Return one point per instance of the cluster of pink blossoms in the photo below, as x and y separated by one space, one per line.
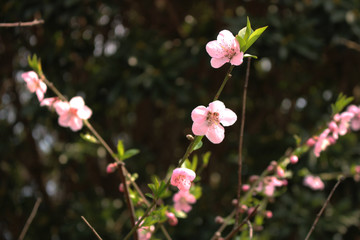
182 178
71 114
338 126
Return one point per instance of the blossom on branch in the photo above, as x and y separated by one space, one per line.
314 182
182 178
182 201
207 121
71 114
34 84
224 49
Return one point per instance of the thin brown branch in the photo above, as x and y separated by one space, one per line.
250 229
237 229
30 219
94 231
242 139
23 24
350 44
323 208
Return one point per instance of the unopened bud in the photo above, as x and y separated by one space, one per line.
111 167
190 137
294 159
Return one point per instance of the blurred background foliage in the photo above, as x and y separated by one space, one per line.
142 67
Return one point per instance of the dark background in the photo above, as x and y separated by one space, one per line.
142 67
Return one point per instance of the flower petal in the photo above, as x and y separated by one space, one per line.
64 120
226 39
84 112
75 123
214 49
200 129
227 117
199 114
77 102
218 62
216 106
216 133
62 107
237 59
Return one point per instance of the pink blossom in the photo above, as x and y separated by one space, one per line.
111 167
245 187
268 214
121 187
182 201
310 142
270 184
207 121
182 178
314 182
72 114
34 84
322 142
173 221
280 171
345 119
50 102
225 49
294 159
145 233
355 122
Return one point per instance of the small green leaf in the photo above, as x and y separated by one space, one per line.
186 164
194 163
341 102
241 40
249 55
130 153
149 195
89 138
198 145
152 187
253 37
297 140
248 30
206 158
241 34
120 148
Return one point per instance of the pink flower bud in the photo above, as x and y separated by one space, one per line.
245 187
280 172
310 142
121 187
357 169
219 219
111 167
173 221
294 159
268 214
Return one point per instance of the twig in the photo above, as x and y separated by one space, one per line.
227 77
235 230
350 44
323 207
87 223
241 139
250 229
23 24
30 219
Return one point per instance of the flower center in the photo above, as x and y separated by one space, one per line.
73 111
212 118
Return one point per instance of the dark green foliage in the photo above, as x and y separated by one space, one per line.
141 66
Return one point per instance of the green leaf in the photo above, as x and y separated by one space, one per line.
89 138
248 31
249 55
297 140
130 153
206 158
152 187
253 37
149 195
194 163
240 39
341 102
198 145
186 164
120 148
